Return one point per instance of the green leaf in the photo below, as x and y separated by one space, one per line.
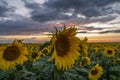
115 68
84 70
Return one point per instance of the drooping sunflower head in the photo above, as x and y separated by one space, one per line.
109 52
85 61
12 55
34 56
85 40
95 73
83 49
46 50
66 47
41 54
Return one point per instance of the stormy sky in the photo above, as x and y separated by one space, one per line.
33 20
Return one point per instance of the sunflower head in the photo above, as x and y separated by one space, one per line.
109 52
95 73
12 55
83 49
62 45
113 61
85 61
34 56
66 46
41 55
95 50
46 50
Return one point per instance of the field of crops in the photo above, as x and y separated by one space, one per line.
64 57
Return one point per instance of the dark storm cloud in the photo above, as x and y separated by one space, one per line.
85 29
85 7
20 26
14 24
89 8
82 32
78 3
52 10
110 31
88 30
104 19
43 13
93 28
56 9
114 23
31 5
5 9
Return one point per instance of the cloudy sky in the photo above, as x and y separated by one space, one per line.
33 20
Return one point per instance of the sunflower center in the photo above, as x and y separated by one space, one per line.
109 51
112 60
94 72
41 55
34 55
45 51
62 45
11 53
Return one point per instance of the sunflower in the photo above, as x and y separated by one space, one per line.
66 47
12 55
46 50
109 52
41 54
34 56
95 50
113 61
83 47
85 61
95 73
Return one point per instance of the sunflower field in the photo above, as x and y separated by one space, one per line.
64 57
